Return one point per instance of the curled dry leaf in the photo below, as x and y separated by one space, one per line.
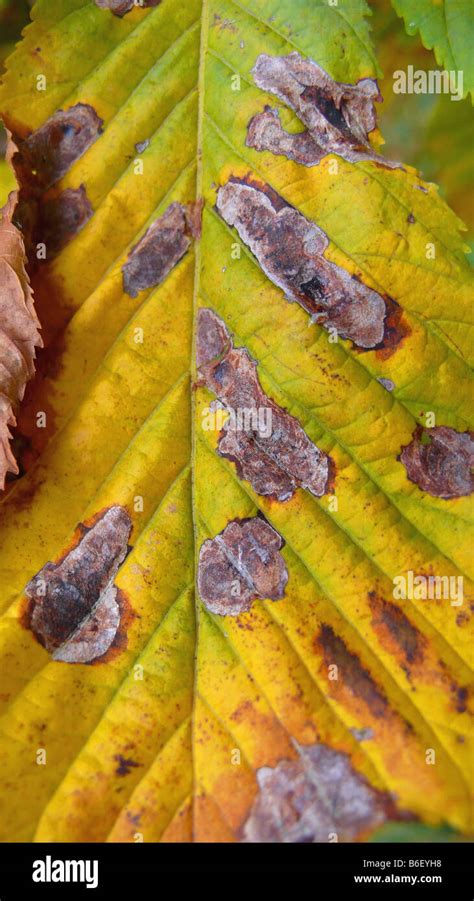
19 331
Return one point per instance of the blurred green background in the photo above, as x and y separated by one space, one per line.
429 131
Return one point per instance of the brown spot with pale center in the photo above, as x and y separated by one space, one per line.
269 447
290 250
440 461
265 132
314 796
338 117
241 564
73 608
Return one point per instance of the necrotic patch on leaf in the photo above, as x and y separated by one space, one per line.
440 461
290 250
338 117
161 247
265 132
357 679
312 797
124 765
50 151
74 611
122 7
397 627
241 564
62 217
272 451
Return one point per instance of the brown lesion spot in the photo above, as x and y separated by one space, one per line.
440 461
124 765
312 796
353 674
241 564
338 117
45 214
265 132
397 631
49 152
122 7
268 445
290 250
73 609
62 217
162 246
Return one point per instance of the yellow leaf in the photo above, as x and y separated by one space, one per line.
195 725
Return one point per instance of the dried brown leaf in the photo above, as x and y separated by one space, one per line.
19 331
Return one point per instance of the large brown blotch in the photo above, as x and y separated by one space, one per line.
241 564
440 461
338 116
74 611
48 153
45 214
273 453
290 249
314 797
161 247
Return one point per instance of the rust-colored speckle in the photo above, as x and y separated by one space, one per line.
290 250
440 461
269 447
241 564
355 677
73 608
